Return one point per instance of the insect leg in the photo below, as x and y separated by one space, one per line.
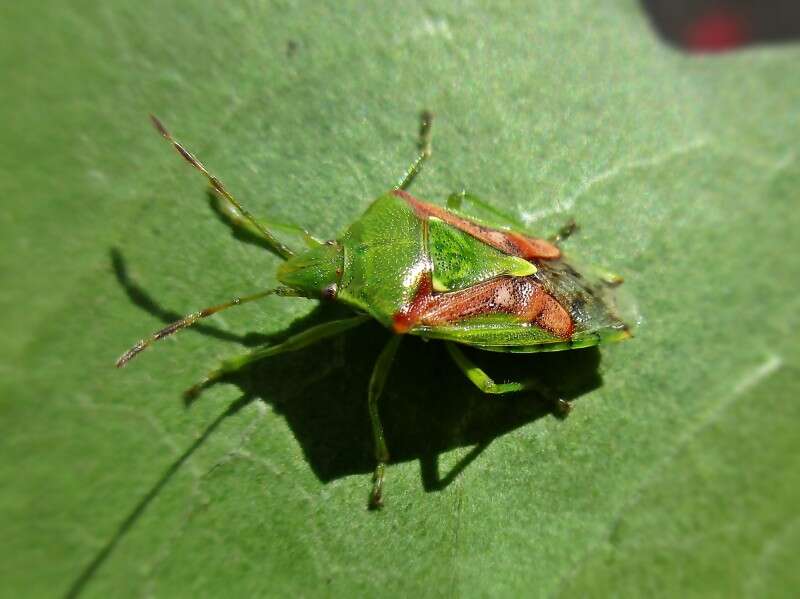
376 384
471 205
609 278
276 245
424 145
485 383
192 318
564 232
293 343
240 224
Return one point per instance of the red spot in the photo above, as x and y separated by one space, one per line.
721 28
411 313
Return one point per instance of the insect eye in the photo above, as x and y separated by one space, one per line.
330 291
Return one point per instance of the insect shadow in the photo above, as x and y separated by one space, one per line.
428 406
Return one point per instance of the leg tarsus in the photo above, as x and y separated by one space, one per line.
376 384
565 232
561 408
376 494
612 279
425 125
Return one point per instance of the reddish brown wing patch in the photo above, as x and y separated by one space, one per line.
508 242
555 318
518 296
522 297
413 311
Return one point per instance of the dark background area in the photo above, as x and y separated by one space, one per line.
715 26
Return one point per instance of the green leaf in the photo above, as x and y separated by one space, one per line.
679 474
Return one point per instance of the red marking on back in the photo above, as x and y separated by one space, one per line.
519 296
410 314
509 242
555 318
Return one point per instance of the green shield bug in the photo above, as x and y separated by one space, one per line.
453 274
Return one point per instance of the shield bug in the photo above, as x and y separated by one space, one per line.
464 275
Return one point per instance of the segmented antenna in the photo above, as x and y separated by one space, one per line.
189 320
277 245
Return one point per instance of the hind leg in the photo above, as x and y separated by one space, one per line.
486 384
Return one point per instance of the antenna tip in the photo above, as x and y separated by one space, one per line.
130 354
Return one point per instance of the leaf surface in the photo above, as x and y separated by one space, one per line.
679 474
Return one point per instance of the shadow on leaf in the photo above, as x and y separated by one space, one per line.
133 516
428 406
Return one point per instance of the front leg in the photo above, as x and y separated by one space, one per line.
424 146
293 343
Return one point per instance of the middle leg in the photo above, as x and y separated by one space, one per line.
376 384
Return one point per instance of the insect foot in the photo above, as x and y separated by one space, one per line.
561 408
376 496
565 232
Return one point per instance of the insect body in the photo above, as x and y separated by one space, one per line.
437 273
